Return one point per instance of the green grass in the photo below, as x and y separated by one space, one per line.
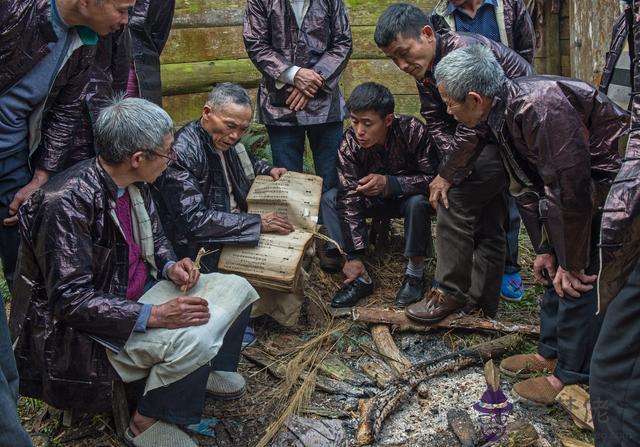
4 288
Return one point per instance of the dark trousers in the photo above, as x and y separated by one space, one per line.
287 148
14 174
511 232
470 235
569 326
182 401
11 432
414 209
614 383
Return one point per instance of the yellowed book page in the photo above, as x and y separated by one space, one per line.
295 196
276 257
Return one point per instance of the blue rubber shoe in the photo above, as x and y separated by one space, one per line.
512 287
249 337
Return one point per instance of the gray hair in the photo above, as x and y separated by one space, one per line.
129 125
469 69
228 93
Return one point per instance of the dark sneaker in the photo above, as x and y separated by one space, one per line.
433 308
350 294
412 291
330 260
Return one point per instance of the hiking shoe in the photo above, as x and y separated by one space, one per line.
524 366
512 288
411 291
433 308
225 385
249 337
536 391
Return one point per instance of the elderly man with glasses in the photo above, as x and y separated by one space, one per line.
91 245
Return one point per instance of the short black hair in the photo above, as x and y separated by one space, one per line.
371 96
400 18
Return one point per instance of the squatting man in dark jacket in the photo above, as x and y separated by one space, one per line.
558 141
91 242
385 164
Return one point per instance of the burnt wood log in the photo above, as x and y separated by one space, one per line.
399 321
374 411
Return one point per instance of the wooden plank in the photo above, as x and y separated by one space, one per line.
225 42
383 71
551 40
185 108
591 24
194 77
204 13
202 76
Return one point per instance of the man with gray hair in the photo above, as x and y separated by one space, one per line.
558 142
91 244
202 196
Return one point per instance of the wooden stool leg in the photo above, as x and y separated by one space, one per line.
382 228
120 408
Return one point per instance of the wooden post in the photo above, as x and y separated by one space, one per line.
591 26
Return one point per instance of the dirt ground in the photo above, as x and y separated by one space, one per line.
417 421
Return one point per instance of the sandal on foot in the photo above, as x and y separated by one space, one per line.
160 434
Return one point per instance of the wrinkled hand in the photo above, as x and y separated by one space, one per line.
308 81
353 270
540 264
438 189
180 312
272 223
572 283
184 273
40 177
372 185
297 100
276 173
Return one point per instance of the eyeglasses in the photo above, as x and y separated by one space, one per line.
171 157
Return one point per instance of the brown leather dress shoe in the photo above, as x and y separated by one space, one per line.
433 308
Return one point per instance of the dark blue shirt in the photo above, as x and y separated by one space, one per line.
19 101
484 22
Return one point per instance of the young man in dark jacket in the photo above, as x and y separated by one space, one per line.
301 47
507 22
470 233
385 164
558 139
91 242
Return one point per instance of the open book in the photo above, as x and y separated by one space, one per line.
275 262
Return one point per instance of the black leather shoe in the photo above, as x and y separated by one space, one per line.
411 291
350 294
